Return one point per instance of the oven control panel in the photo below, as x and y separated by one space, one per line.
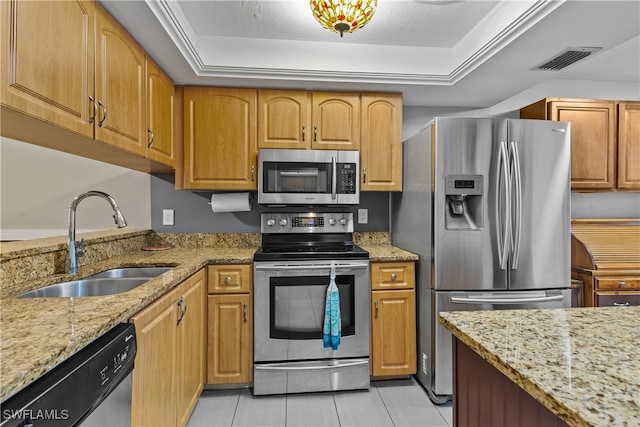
310 222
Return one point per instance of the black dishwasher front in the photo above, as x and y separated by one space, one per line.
68 393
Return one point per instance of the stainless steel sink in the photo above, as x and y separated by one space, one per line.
108 282
127 272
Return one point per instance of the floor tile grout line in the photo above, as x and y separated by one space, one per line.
385 406
236 409
335 405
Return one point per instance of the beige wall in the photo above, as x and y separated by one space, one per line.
38 184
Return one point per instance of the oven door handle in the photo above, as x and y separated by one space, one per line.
342 265
284 367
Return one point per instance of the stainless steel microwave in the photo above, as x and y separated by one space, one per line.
308 177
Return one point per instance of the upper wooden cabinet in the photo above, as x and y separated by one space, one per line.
335 121
604 140
160 114
381 144
220 144
284 118
48 61
629 145
120 86
80 88
308 120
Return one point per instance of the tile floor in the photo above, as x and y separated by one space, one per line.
387 403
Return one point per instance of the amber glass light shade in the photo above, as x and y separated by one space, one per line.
343 16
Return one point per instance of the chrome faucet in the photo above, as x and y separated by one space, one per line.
73 251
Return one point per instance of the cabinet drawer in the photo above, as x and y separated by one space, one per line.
620 283
229 279
617 298
393 275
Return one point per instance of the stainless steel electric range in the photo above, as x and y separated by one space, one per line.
291 276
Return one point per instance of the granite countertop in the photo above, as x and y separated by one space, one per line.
39 333
583 364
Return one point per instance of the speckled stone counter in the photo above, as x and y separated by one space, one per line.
39 333
581 363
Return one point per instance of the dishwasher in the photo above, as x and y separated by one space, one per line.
90 388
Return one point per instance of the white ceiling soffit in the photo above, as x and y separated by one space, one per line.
275 49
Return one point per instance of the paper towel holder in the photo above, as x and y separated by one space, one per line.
244 208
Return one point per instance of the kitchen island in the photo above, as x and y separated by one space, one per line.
582 365
39 333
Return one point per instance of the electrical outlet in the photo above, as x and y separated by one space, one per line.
167 216
363 216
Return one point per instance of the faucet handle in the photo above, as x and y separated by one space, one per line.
80 247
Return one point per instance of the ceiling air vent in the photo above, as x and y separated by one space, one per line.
566 58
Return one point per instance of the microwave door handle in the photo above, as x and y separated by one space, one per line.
295 173
334 178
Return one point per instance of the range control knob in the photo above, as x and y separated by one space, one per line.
271 222
332 221
283 222
343 221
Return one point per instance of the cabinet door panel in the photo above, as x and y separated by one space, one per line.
393 338
160 114
629 146
593 142
190 380
154 376
283 119
335 121
229 339
51 78
381 145
120 86
220 138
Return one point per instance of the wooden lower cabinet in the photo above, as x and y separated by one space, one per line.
230 325
169 367
484 396
393 319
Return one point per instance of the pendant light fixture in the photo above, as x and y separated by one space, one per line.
343 16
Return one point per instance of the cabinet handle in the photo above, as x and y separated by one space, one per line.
180 302
315 133
244 313
95 109
151 140
253 172
364 175
624 304
104 110
394 276
376 304
622 284
303 133
227 279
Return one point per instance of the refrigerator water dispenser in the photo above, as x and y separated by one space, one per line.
463 207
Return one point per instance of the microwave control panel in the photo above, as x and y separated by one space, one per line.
347 181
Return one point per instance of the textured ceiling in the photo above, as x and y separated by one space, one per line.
449 53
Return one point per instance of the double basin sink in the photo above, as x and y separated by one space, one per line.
108 282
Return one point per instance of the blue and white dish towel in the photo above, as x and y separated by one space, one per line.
332 322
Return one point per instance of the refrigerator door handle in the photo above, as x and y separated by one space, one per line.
517 212
503 207
463 300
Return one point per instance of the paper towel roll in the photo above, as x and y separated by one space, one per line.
230 202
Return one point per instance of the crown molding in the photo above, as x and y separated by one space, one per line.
505 24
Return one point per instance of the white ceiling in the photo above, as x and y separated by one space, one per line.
436 52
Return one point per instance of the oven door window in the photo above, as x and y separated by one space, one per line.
297 306
292 177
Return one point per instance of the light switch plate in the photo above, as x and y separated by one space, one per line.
363 216
167 217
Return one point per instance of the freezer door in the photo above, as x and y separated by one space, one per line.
469 301
539 155
469 229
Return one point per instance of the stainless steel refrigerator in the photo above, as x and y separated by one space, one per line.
486 206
